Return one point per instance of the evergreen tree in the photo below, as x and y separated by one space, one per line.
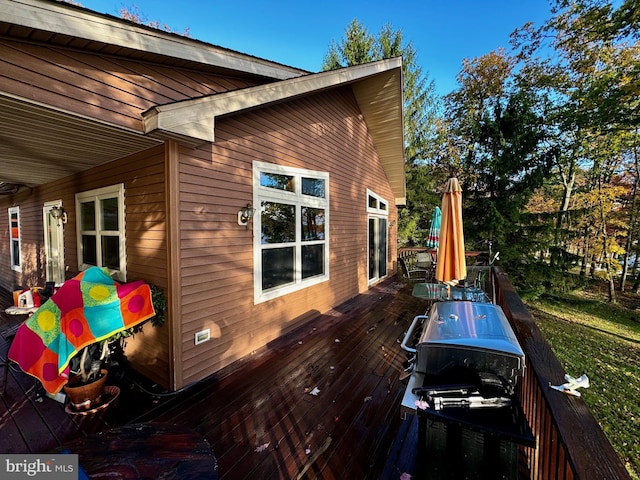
420 113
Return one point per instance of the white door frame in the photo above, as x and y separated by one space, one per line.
377 242
53 244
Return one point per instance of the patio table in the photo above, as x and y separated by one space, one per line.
430 291
438 291
20 310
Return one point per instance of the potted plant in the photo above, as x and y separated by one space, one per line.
88 368
86 386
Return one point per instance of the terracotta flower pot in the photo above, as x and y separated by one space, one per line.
85 397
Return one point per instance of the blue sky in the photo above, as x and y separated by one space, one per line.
298 32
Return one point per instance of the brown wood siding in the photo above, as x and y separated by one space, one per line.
31 236
324 132
112 89
143 178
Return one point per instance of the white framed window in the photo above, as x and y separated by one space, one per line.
100 229
376 204
291 229
15 239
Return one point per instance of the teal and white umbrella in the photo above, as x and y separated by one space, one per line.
433 239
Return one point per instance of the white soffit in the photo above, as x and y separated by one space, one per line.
63 19
377 87
39 144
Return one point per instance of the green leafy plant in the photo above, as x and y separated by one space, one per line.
88 363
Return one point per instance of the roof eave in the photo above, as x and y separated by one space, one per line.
78 22
377 87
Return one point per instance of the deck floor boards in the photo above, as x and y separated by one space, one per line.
259 415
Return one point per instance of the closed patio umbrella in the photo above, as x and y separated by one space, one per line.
451 265
433 238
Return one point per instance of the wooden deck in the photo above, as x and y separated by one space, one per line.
261 415
263 421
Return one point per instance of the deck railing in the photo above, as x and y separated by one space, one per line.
569 441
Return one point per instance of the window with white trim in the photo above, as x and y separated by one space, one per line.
101 230
376 204
291 229
14 236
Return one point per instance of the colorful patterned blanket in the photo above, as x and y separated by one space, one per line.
86 309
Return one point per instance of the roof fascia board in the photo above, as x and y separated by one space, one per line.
83 23
196 117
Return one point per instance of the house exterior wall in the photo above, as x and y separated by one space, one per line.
97 85
324 132
146 250
209 275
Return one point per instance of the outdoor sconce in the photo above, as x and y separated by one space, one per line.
58 213
245 214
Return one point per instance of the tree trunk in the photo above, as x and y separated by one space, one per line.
612 290
585 254
592 266
568 180
633 216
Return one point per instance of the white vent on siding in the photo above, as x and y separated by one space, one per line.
203 336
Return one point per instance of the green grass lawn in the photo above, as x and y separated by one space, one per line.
602 340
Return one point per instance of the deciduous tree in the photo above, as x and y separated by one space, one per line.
496 116
588 57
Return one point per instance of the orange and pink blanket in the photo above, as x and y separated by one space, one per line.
86 309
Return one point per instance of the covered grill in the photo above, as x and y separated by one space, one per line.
467 363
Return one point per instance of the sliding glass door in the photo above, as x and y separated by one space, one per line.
377 248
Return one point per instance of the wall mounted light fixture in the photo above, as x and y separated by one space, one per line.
58 213
245 214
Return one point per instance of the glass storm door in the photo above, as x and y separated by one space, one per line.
377 248
54 244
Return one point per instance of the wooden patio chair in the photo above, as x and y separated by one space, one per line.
424 260
7 335
412 275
